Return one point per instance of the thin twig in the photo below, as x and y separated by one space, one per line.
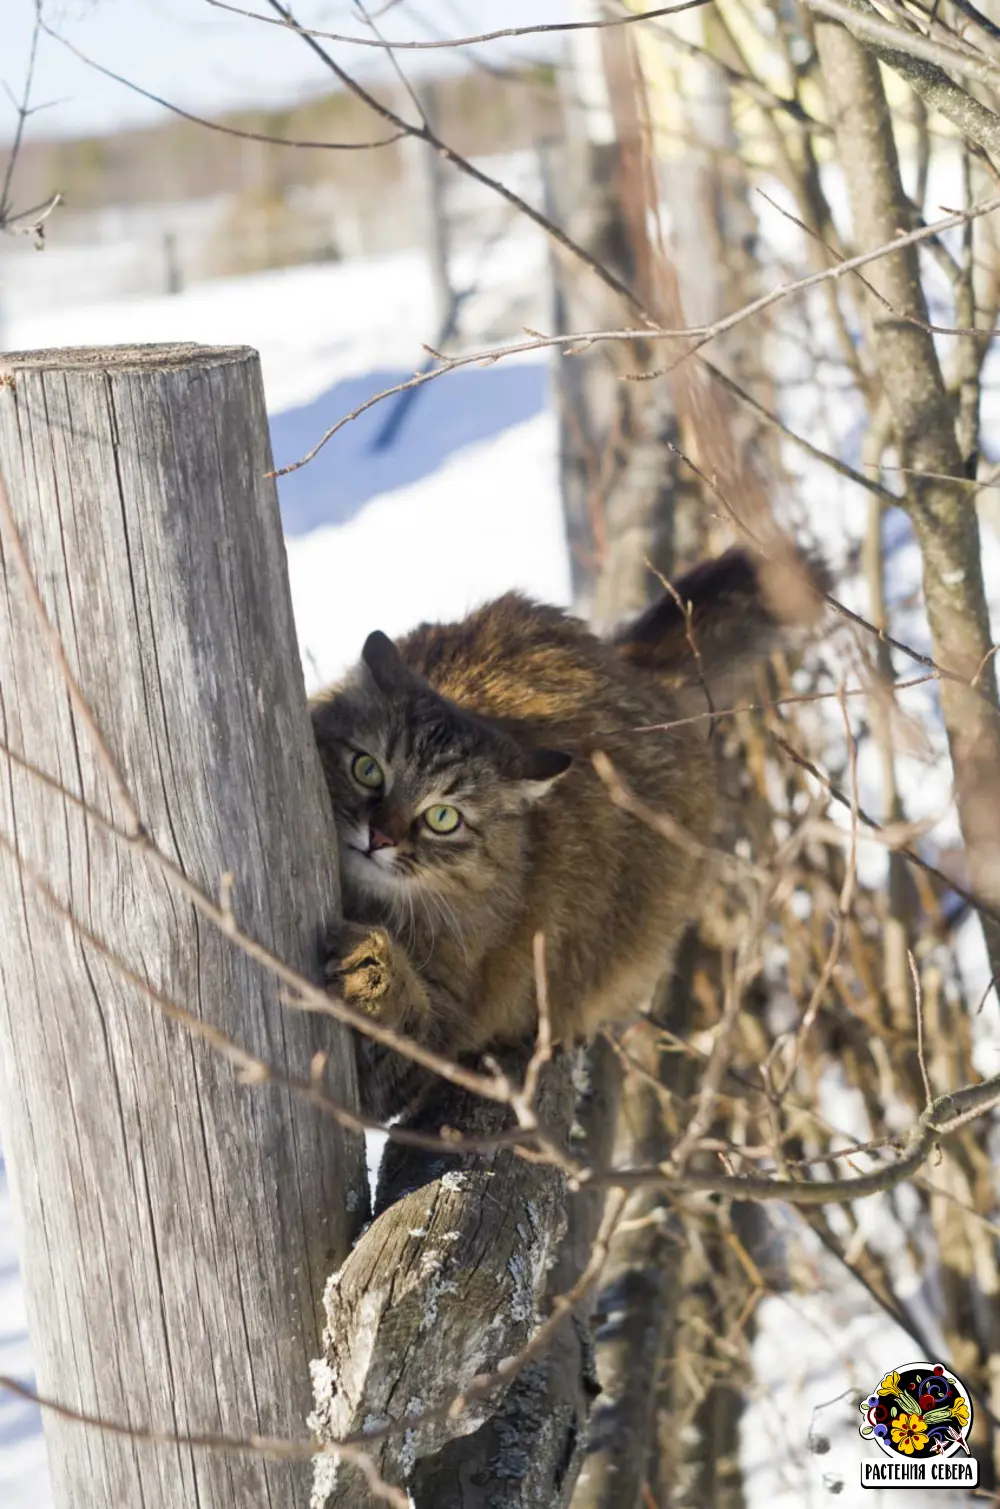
814 280
580 341
918 1002
390 52
274 1448
843 912
543 1042
486 36
464 165
23 111
976 902
250 1068
946 1115
224 130
664 823
974 331
849 473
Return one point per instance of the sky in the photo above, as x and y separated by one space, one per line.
204 58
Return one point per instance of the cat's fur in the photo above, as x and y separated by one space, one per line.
497 716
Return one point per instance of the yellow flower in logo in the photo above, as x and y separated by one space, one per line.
909 1433
889 1384
960 1411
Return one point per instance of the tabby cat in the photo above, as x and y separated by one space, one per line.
469 813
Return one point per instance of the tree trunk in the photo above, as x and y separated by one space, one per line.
942 510
176 1226
618 473
453 1276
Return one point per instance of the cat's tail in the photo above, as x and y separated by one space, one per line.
716 623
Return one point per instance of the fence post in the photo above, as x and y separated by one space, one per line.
176 1225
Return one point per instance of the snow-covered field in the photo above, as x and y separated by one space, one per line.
464 505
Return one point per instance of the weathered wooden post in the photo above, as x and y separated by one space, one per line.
176 1226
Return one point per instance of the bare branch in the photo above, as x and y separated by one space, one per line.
23 111
918 998
487 36
866 23
917 59
543 1044
699 335
946 1115
776 422
972 900
259 1446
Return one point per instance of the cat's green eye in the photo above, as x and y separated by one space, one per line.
442 819
367 772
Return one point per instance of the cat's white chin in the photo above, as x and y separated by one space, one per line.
371 872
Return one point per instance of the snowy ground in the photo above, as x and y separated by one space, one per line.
462 506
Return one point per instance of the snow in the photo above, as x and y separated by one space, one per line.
815 1355
476 527
23 1467
462 506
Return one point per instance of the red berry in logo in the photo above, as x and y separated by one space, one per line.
926 1401
939 1371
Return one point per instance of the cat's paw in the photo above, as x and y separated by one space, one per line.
359 965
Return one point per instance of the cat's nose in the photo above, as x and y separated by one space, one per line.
377 840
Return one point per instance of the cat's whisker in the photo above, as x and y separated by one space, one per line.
429 918
413 919
449 915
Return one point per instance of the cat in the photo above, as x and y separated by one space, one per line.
470 816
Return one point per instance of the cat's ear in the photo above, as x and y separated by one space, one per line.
385 663
538 771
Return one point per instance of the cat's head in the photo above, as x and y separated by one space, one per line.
427 796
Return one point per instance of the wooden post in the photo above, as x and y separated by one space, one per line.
176 1226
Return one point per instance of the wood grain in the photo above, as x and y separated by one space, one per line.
461 1262
176 1226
